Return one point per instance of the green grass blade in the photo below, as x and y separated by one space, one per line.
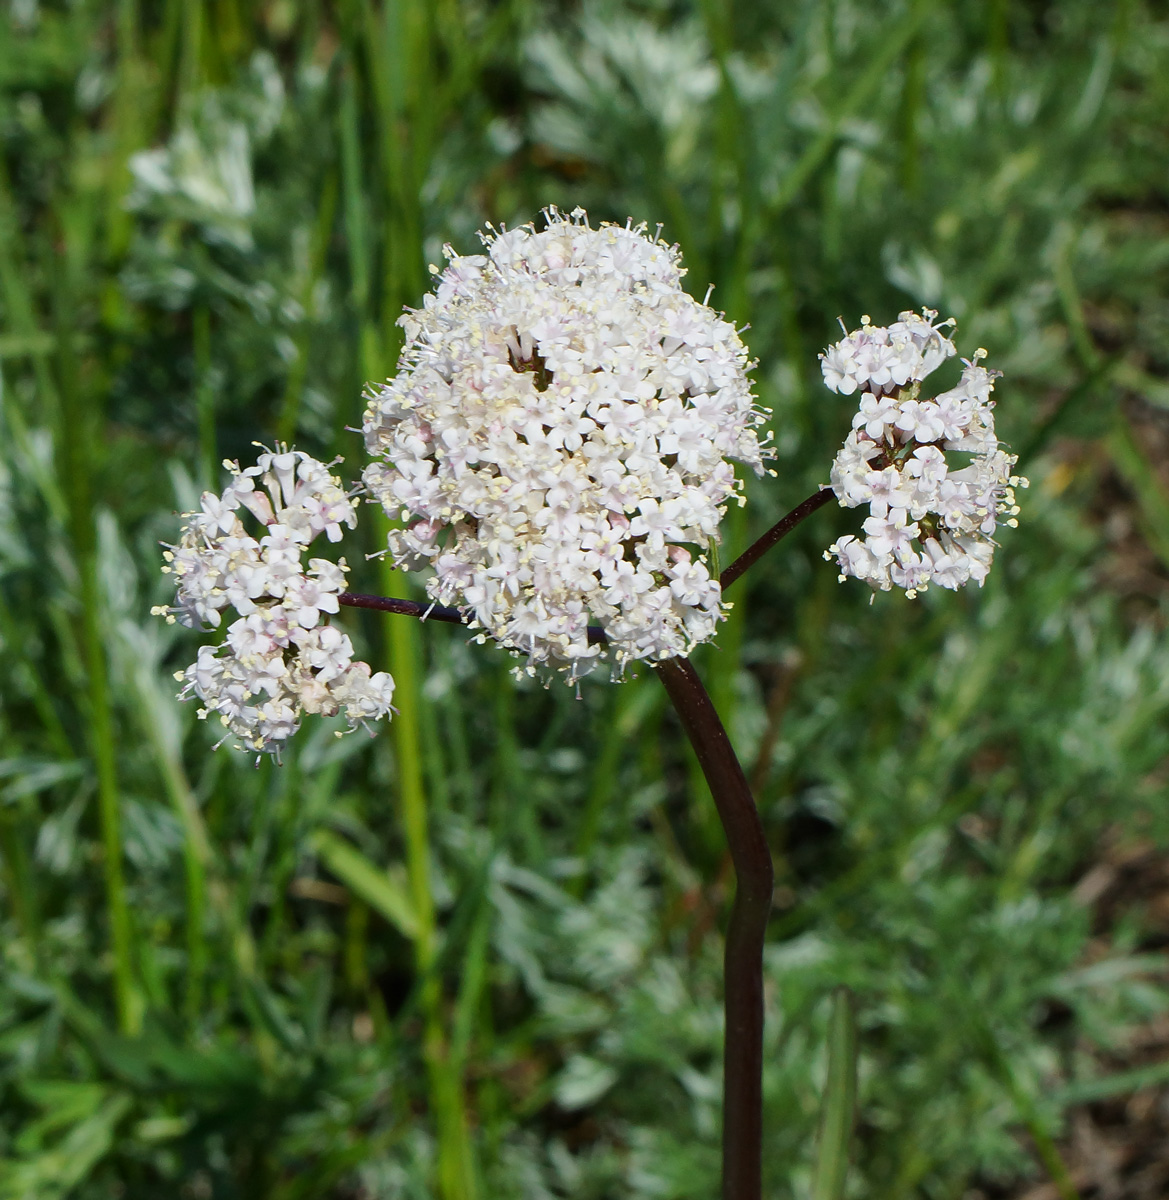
838 1115
379 889
854 99
1109 1087
1152 498
77 439
205 395
294 387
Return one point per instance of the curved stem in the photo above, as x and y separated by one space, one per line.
743 959
777 532
754 875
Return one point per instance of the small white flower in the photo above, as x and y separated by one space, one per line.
890 534
911 571
363 695
950 567
931 471
919 421
840 367
857 558
876 415
887 490
278 660
561 422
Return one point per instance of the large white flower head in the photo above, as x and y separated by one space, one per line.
281 658
932 472
556 444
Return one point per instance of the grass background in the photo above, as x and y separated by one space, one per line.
478 956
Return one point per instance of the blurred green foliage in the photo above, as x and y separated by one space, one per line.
479 955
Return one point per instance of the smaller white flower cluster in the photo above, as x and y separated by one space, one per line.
930 521
279 659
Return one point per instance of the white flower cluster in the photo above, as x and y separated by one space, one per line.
279 659
556 443
930 521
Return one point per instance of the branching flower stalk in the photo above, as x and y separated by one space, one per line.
555 451
754 875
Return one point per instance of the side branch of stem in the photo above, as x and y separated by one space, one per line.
776 533
406 608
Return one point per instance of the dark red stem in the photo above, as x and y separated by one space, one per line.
778 531
746 930
407 608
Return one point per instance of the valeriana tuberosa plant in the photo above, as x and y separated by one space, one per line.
556 454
